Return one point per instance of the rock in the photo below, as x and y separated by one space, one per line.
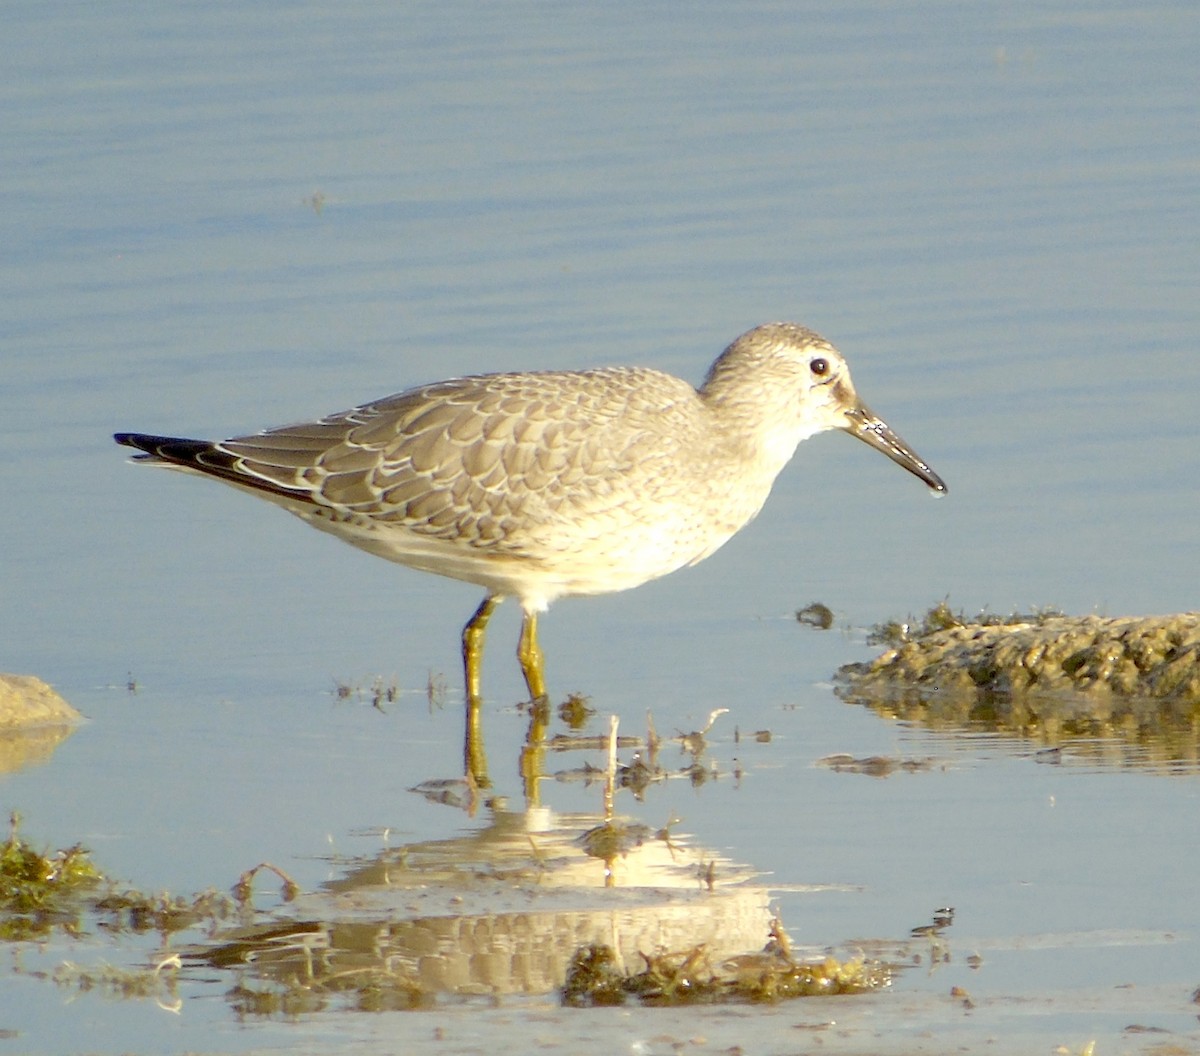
27 701
1155 657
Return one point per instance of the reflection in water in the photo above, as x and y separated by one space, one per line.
640 772
24 748
499 910
1162 737
517 905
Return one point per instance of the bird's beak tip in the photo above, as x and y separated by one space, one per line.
863 423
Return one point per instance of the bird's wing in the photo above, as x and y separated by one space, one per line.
476 460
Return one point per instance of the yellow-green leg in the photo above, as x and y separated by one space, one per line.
472 644
474 756
529 654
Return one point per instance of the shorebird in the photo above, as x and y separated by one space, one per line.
545 484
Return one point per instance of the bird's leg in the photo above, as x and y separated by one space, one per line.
474 756
472 645
529 654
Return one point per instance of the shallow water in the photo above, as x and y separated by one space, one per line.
224 217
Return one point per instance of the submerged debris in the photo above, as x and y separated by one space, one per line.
243 890
138 912
576 710
49 893
874 765
595 978
613 838
157 981
816 615
41 890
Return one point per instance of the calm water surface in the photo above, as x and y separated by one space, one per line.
220 217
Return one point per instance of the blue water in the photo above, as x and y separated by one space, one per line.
220 217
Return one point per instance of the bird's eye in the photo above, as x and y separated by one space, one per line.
820 367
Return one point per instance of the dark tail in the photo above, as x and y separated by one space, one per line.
203 456
168 448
